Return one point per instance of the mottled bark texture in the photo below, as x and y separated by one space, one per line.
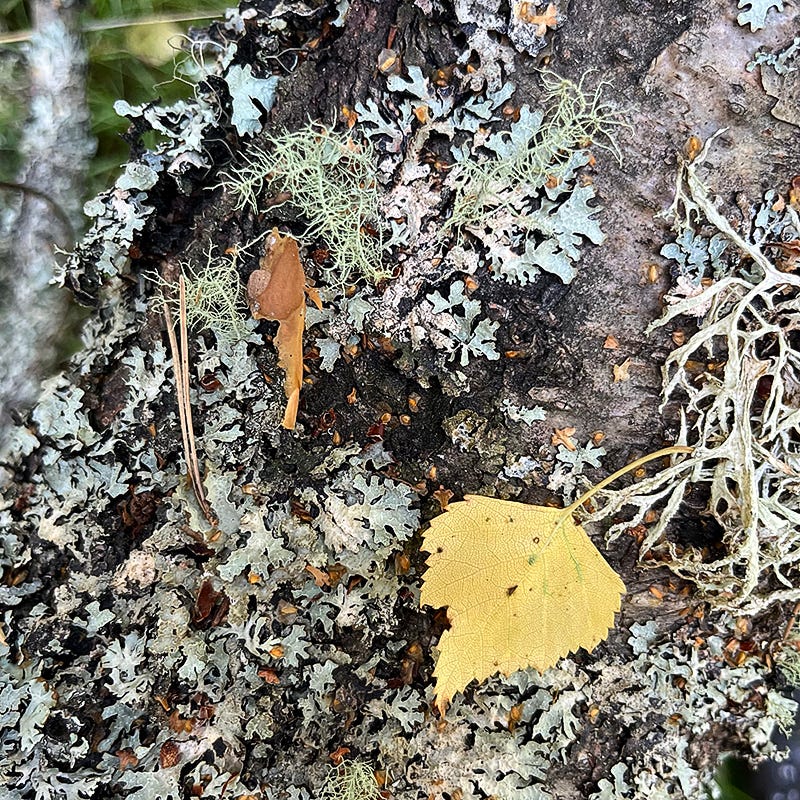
56 148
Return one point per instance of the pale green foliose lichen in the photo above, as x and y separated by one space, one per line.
169 656
754 12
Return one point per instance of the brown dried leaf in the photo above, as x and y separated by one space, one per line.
210 608
542 21
276 291
170 754
443 496
127 758
563 436
321 578
622 371
611 342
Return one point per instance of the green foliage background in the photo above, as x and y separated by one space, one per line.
129 62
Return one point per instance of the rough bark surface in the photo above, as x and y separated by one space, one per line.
173 657
56 147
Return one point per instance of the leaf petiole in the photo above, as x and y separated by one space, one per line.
589 493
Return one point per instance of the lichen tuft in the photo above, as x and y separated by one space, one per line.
330 179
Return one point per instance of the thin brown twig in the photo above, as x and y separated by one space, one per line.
180 368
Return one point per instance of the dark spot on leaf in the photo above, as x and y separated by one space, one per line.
511 590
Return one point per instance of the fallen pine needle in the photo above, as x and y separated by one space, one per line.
180 368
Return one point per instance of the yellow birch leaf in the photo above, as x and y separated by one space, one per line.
523 585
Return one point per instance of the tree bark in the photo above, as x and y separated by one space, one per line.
155 654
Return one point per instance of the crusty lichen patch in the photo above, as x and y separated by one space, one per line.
147 654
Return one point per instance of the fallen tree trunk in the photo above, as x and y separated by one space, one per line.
485 297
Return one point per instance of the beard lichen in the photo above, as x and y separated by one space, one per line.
330 179
516 193
214 297
350 780
535 154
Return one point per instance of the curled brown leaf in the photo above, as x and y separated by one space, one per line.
276 291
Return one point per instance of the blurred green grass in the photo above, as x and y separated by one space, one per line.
135 62
732 775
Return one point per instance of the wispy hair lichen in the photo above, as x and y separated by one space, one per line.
214 297
350 780
330 179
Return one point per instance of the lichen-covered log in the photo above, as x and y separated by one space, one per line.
483 237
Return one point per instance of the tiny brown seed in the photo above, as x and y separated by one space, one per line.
170 754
